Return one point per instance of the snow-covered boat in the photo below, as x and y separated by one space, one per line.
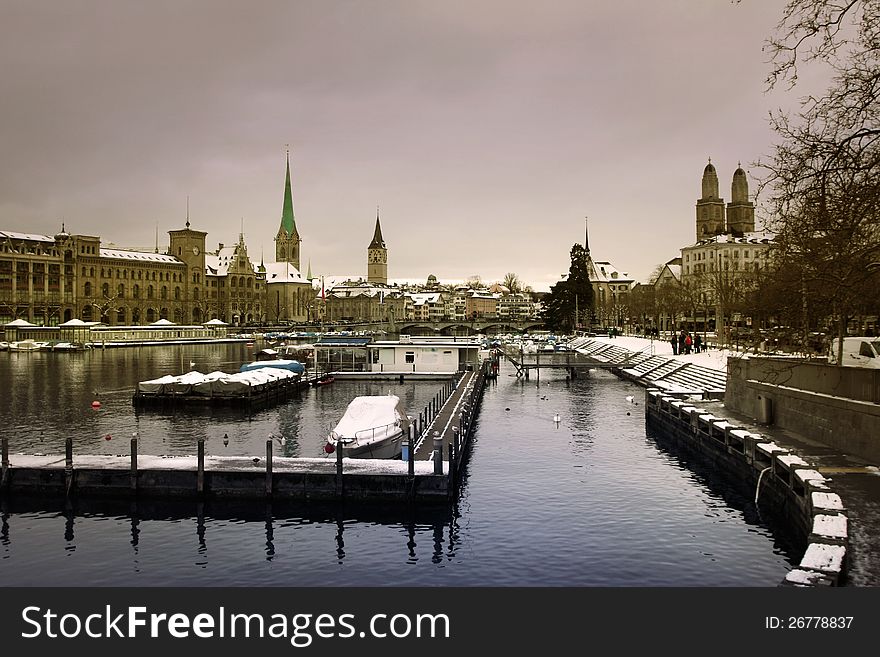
25 345
373 427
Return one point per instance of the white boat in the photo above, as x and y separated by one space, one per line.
373 427
25 345
4 345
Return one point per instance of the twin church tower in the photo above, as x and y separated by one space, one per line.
711 216
287 241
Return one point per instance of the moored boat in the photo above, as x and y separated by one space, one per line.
373 427
25 345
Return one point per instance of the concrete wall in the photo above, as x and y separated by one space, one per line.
838 406
781 479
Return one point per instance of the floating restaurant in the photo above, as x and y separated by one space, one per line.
352 356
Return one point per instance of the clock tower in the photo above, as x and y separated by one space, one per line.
188 246
287 240
377 257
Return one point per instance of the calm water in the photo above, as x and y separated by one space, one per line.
590 501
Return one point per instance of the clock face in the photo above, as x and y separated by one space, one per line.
195 250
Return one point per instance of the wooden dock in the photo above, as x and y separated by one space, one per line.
430 473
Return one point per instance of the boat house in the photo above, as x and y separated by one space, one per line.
409 355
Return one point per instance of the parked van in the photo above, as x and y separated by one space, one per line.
857 352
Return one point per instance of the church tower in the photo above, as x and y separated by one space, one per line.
377 257
287 240
740 211
710 208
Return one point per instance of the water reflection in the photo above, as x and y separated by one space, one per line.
644 516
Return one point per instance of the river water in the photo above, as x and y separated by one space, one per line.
591 500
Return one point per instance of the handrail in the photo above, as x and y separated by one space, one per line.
358 435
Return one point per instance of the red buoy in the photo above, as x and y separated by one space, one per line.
96 404
108 437
329 448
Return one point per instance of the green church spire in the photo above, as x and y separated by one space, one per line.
288 222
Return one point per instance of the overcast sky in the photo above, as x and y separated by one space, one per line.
485 130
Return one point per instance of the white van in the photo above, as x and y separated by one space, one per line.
857 352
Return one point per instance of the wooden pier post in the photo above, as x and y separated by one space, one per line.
200 473
340 490
68 464
438 453
453 454
411 456
269 468
4 460
134 465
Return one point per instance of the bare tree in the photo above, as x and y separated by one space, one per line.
824 172
511 282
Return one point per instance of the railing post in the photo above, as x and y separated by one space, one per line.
200 467
134 464
438 453
269 468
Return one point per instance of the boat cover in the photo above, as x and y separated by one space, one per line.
370 418
292 365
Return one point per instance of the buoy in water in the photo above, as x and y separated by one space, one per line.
96 404
225 439
556 418
108 437
329 449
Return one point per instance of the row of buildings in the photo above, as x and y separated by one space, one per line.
709 279
49 280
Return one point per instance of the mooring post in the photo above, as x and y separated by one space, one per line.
438 453
68 463
339 488
411 457
200 474
453 454
269 468
134 464
4 463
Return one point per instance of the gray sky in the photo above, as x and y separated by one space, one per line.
485 130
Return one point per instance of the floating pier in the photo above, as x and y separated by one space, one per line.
435 452
262 386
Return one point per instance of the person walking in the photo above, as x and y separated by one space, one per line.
698 343
687 342
674 342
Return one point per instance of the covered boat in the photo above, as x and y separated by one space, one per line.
291 365
373 427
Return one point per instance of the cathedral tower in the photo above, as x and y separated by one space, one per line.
710 208
287 240
740 211
377 257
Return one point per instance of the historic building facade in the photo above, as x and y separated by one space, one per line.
720 270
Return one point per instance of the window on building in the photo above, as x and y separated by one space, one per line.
410 357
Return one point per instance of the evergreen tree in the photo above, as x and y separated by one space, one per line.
570 301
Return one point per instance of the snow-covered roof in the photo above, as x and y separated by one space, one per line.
20 322
214 266
604 272
162 322
283 272
421 298
27 237
140 256
756 237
